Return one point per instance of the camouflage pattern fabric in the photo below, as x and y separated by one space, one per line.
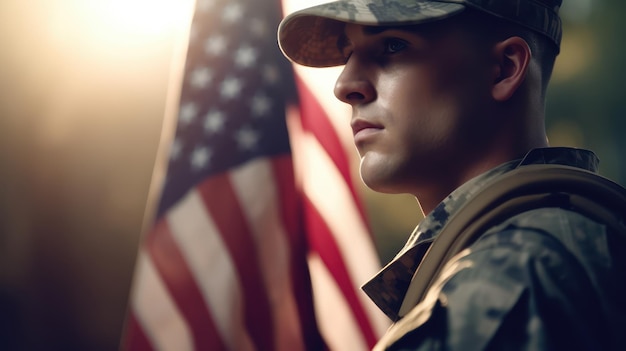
400 270
309 37
543 280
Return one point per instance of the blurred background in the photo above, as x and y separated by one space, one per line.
83 89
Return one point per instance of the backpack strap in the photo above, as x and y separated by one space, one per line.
523 189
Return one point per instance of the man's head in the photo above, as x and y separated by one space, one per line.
440 90
309 37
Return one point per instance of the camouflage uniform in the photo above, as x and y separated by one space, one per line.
547 279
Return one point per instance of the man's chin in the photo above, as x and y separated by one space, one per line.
380 184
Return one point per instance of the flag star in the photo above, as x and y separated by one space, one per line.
215 45
258 27
201 77
261 105
188 112
232 12
200 158
247 138
245 56
270 74
176 149
230 88
214 121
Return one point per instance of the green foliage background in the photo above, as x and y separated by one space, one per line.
585 106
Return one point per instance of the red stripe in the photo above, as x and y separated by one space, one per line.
182 286
291 214
315 121
221 202
323 242
135 339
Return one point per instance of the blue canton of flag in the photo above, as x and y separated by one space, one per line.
232 105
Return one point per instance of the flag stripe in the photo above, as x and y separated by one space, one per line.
209 266
316 121
346 226
171 265
137 340
221 201
262 213
324 244
333 218
156 311
291 213
344 213
350 248
336 315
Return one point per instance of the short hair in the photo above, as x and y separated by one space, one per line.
495 29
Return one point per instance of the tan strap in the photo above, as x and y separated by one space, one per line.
525 188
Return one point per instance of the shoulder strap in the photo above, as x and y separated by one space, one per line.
525 188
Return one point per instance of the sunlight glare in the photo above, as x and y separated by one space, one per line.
122 22
142 16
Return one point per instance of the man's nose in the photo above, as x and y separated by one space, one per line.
354 86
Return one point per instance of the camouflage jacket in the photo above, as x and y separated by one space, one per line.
547 279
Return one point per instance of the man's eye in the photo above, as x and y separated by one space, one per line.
394 45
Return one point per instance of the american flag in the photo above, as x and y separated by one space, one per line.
245 252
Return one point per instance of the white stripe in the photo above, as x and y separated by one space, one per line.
212 267
158 316
306 151
321 83
304 146
336 321
255 186
332 198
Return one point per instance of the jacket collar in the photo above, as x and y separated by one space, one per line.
388 287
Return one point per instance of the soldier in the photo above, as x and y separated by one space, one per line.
447 104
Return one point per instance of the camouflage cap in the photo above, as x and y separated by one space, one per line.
310 36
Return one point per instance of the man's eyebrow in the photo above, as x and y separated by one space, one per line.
373 30
343 41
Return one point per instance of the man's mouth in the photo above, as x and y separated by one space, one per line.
362 129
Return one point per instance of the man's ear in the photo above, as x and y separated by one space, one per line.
513 56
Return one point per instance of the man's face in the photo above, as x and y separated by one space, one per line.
417 98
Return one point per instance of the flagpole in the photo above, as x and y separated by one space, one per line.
168 130
170 114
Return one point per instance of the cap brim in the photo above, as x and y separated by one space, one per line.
309 37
